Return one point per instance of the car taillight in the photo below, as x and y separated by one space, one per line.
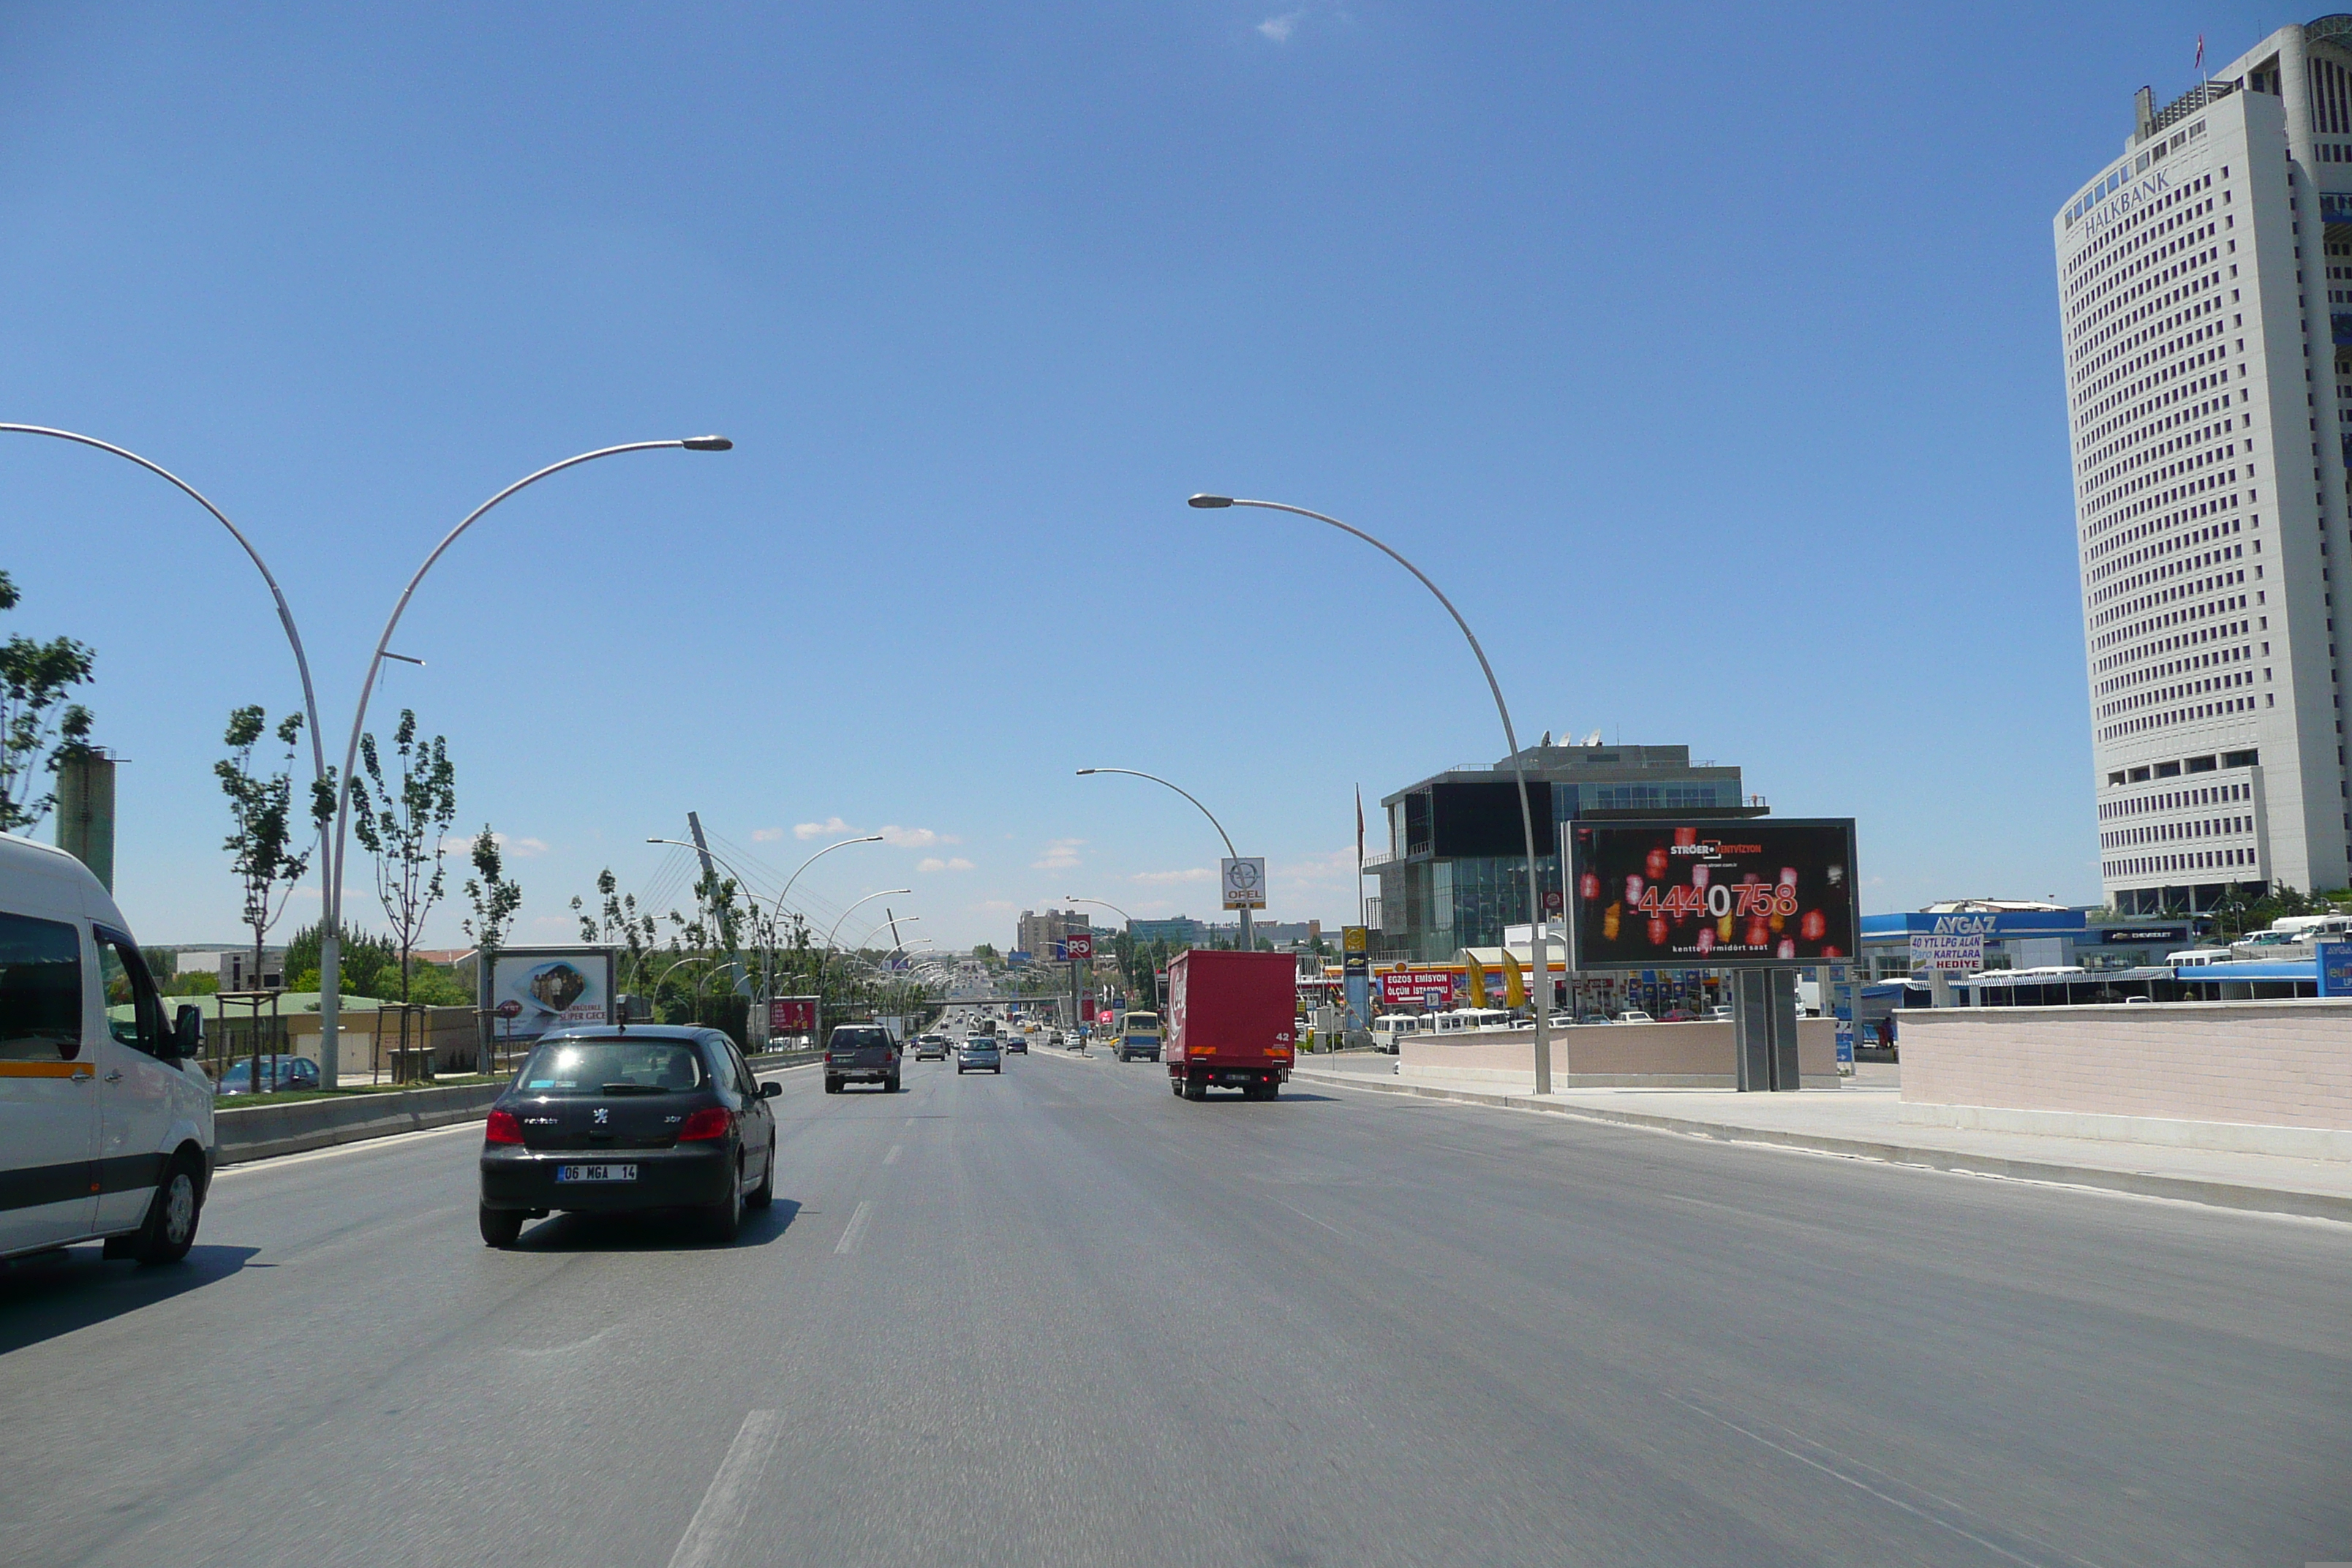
711 1121
504 1127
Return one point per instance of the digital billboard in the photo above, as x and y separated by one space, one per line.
1712 894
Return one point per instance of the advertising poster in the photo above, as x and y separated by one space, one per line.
1710 894
2335 967
1414 988
792 1016
535 989
1243 881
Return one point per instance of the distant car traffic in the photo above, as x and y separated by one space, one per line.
861 1053
1015 1043
605 1121
278 1073
977 1053
931 1048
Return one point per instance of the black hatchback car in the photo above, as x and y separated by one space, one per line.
604 1119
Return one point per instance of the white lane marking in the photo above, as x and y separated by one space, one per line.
892 1157
848 1242
1325 1224
717 1522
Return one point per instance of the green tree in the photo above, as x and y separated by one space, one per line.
261 813
495 901
406 829
38 727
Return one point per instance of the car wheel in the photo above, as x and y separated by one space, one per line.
171 1224
727 1214
500 1226
890 1084
765 1193
833 1085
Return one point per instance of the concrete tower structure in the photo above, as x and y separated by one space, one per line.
2205 290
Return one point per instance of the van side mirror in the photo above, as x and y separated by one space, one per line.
188 1032
770 1090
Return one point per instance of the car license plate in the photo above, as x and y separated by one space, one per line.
596 1173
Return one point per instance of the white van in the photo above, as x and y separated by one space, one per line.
1390 1030
106 1120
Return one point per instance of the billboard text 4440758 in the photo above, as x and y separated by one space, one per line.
1710 894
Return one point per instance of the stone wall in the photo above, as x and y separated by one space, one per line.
1697 1056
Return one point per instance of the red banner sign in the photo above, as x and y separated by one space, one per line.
792 1016
1080 945
1418 988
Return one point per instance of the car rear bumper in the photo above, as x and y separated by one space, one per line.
689 1175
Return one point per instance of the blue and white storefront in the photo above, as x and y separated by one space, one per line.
1893 946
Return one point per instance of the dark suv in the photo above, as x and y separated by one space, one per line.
861 1053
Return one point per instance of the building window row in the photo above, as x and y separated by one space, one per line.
2159 647
2164 543
2165 371
2162 596
2172 832
2239 856
2158 573
2188 715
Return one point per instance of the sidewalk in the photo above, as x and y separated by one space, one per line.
1862 1121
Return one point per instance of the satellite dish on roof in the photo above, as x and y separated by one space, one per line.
1593 739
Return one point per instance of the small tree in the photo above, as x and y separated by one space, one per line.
406 829
261 809
495 901
37 726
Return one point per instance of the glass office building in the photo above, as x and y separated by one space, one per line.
1455 872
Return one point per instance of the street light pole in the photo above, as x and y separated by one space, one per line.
1542 963
328 877
703 849
824 958
1247 943
330 937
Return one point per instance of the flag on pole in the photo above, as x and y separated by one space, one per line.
1359 828
2201 53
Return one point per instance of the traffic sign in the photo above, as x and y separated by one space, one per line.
1080 945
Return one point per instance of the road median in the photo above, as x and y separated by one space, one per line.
247 1132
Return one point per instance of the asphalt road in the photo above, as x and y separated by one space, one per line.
1064 1318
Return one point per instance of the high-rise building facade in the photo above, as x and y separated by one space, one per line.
2205 290
1035 934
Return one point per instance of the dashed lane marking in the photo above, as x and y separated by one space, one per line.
856 1228
720 1519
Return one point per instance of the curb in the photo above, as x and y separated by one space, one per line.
2140 1183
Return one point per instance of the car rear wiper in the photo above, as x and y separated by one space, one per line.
632 1088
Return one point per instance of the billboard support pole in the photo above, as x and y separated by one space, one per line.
1542 964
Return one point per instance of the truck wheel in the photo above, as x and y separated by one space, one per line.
833 1085
1196 1089
500 1226
171 1226
1176 1087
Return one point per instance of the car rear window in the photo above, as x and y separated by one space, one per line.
858 1039
588 1067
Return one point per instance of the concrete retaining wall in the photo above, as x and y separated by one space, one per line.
2198 1074
1597 1055
246 1132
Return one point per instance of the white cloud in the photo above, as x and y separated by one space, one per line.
933 863
915 838
831 825
521 849
1279 28
766 834
1060 856
556 923
1189 874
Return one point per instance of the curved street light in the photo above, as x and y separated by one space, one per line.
328 873
1073 897
1527 815
825 956
868 838
330 934
1247 945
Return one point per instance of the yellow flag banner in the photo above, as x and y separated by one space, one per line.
1515 982
1477 977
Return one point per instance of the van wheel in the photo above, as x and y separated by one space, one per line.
171 1226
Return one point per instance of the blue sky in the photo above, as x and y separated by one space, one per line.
1706 354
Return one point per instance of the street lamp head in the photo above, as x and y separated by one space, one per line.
1084 772
1210 503
708 444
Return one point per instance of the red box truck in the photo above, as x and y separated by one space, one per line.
1230 1018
